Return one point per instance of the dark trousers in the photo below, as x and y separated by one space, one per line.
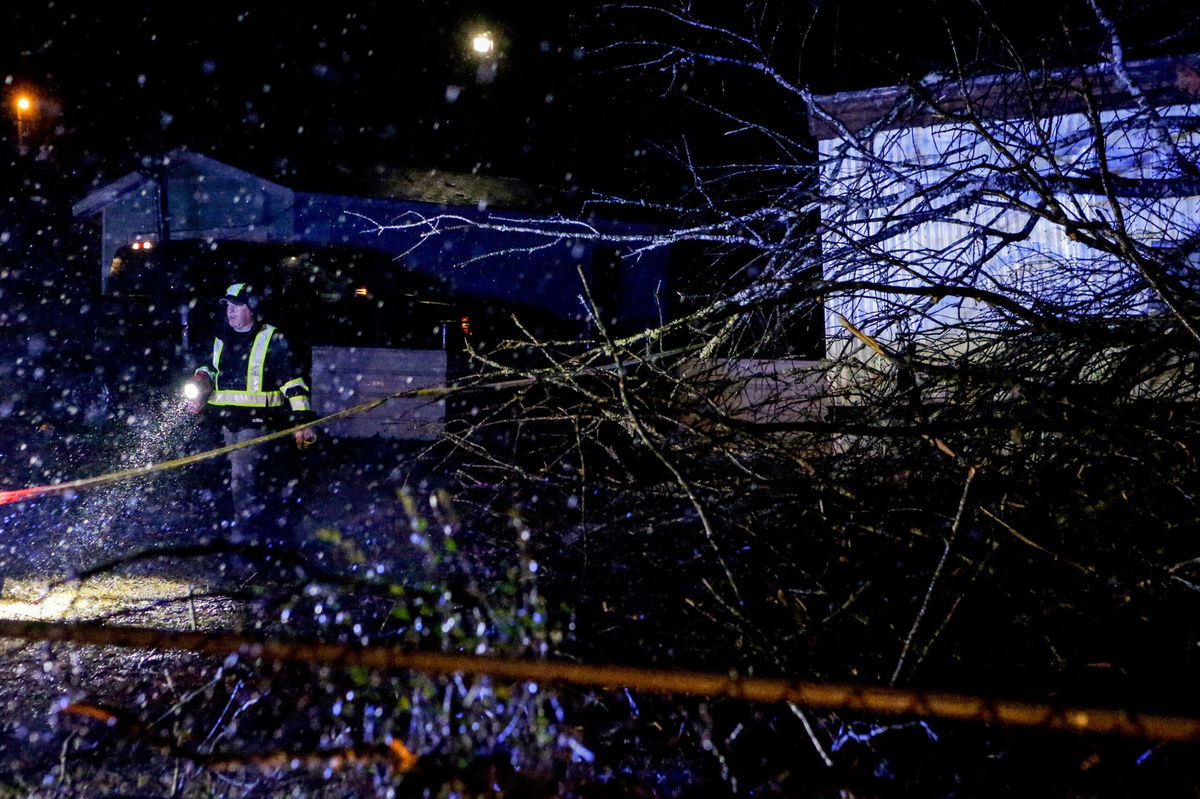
264 482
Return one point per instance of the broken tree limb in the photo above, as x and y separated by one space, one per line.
866 699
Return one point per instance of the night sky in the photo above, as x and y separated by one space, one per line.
326 97
315 98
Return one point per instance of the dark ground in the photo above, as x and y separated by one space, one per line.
108 534
171 710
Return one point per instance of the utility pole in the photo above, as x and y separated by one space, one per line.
164 219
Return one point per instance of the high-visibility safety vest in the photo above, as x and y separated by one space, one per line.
255 394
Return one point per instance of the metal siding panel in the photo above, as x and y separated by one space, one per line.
343 377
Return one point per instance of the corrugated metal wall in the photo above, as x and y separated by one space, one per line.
899 194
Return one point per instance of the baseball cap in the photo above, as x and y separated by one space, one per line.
239 294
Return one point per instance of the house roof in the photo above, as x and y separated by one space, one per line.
937 98
459 188
179 163
420 185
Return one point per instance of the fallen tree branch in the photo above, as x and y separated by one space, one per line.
867 699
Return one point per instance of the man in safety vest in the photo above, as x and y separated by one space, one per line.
256 386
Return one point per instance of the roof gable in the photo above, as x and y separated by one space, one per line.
179 164
1039 93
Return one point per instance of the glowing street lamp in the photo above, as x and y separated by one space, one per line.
24 104
483 44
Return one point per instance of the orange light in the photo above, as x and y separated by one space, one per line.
361 291
465 324
25 107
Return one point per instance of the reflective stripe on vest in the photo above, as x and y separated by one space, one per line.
218 348
258 359
253 396
249 399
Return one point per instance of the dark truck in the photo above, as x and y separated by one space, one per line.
367 326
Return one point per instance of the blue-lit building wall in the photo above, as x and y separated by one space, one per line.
524 260
468 248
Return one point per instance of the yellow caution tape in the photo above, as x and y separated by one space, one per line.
20 494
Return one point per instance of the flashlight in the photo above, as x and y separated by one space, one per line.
191 391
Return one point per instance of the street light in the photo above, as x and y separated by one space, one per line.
24 104
483 43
